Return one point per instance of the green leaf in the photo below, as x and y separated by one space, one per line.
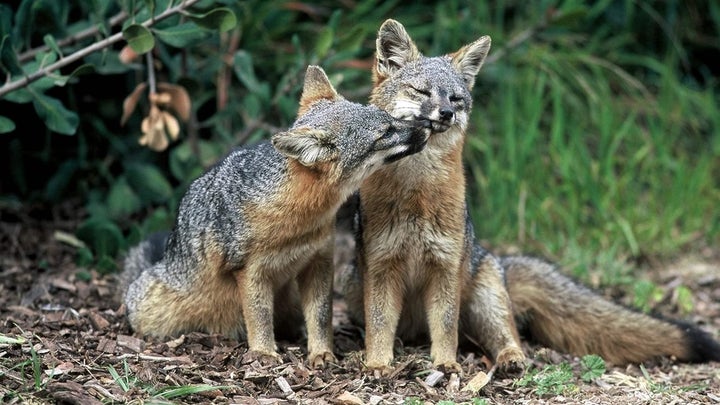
150 4
244 70
221 19
161 219
684 299
184 165
81 70
58 183
84 257
122 201
593 367
243 66
182 35
149 183
139 38
102 235
6 125
49 41
56 117
8 58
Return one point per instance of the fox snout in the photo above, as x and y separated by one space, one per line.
411 134
443 117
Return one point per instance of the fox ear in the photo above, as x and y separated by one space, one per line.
469 59
306 145
317 87
394 48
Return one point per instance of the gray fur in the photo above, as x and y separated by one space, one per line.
336 139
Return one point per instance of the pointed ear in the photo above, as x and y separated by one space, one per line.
469 59
394 49
306 145
317 87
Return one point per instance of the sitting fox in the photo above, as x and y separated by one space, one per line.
419 273
252 246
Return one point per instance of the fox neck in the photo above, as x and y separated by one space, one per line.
313 193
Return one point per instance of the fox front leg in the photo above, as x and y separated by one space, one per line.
383 304
442 305
316 286
257 307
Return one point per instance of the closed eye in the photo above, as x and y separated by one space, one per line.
455 98
422 92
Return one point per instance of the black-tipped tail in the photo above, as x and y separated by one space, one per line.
701 347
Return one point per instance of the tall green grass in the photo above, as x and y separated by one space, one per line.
575 158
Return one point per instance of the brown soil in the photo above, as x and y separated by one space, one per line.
63 339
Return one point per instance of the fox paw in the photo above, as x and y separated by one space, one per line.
448 367
511 361
263 357
320 360
379 370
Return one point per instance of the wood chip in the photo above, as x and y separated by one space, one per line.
63 284
434 378
62 368
453 385
349 399
107 345
98 321
480 380
285 387
131 343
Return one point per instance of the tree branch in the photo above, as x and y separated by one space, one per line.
20 83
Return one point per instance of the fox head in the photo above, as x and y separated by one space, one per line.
345 140
411 86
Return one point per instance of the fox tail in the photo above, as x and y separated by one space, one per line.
139 258
560 314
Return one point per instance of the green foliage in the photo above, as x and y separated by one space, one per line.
553 379
594 137
558 379
646 294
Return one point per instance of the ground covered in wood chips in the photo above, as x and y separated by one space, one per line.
64 339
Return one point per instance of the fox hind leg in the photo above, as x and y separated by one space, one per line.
487 317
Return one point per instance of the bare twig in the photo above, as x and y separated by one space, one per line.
17 84
86 33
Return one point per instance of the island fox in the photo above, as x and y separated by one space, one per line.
252 243
419 272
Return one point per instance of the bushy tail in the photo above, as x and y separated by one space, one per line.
139 258
567 317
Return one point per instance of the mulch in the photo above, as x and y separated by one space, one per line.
64 338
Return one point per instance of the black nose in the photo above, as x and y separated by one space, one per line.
446 114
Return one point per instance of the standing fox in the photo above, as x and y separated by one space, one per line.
419 271
252 244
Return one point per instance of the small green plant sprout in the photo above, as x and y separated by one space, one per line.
127 381
552 379
647 295
683 298
593 366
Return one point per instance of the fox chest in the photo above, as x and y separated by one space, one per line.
415 244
